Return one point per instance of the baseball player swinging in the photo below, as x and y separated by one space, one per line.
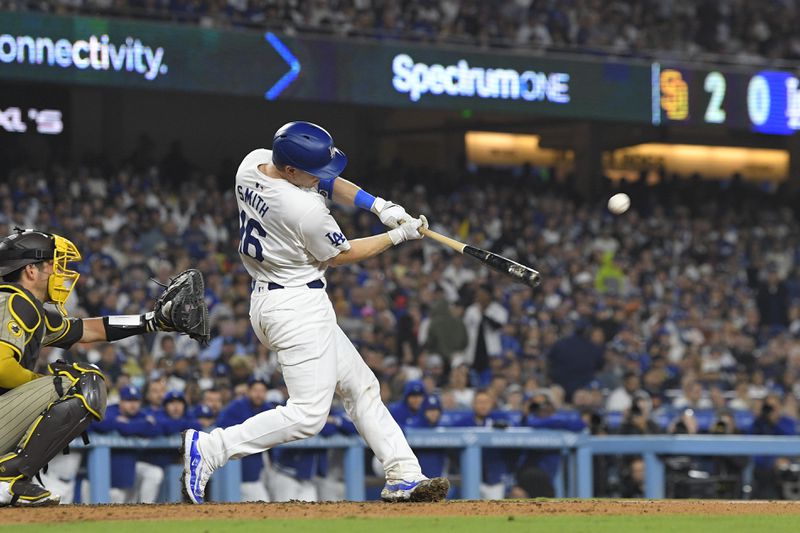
41 414
287 240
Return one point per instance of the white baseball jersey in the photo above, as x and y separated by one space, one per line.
286 233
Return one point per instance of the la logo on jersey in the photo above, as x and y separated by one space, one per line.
335 237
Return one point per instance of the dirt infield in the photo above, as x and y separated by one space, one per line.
80 513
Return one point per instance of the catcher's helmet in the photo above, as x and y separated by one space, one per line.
307 147
25 247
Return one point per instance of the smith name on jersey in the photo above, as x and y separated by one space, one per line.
287 233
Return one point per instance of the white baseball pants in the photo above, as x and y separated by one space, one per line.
148 482
254 491
493 492
146 486
317 359
330 489
284 488
61 473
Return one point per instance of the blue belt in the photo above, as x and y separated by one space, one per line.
316 284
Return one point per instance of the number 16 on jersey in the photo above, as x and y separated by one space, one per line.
248 241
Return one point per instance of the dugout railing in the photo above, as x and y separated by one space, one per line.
573 479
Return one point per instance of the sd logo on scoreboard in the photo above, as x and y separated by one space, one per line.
674 95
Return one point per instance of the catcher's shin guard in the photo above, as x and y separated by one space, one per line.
62 421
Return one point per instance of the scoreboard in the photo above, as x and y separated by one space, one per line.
762 101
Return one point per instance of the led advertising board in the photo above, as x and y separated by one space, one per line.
122 53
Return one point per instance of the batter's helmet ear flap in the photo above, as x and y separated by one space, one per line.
307 147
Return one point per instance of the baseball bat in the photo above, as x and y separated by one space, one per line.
519 272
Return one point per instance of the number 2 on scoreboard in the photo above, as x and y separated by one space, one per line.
716 85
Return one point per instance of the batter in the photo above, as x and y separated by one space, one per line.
288 239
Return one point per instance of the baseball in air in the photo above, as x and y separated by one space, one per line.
619 203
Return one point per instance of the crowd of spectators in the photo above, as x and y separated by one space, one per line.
742 30
680 316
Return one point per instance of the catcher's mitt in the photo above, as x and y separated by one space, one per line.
182 307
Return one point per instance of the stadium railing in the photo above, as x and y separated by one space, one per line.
573 480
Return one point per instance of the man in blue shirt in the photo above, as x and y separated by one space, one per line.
432 460
330 483
132 480
204 416
536 469
409 407
296 472
172 418
253 486
496 463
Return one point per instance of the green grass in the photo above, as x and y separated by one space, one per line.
528 524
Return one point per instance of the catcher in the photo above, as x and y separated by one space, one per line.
41 414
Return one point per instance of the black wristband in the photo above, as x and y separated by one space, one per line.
123 326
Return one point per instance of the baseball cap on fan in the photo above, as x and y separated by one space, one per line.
173 396
130 393
432 402
413 387
307 147
203 411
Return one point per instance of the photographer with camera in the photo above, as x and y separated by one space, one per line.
632 479
637 419
536 469
771 471
727 469
717 477
630 468
682 469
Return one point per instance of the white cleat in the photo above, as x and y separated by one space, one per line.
421 490
195 470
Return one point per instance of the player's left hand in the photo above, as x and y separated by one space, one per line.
423 224
409 230
390 213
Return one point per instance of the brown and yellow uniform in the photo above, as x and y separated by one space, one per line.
25 327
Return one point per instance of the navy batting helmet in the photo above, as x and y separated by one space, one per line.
307 147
